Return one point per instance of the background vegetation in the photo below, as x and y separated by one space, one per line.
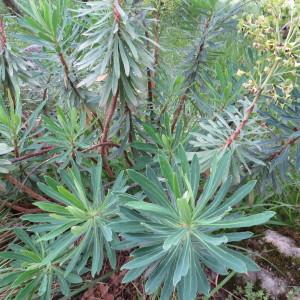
138 140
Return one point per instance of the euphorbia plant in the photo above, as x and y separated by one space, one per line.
50 25
12 68
115 54
270 84
29 275
179 230
179 225
80 220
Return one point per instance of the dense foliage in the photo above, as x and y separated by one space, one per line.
141 127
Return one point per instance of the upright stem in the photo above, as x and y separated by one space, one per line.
64 63
111 110
178 111
156 36
113 105
150 82
3 39
190 80
46 88
131 129
16 148
67 73
12 6
250 109
150 94
248 112
108 117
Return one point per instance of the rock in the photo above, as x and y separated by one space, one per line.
285 245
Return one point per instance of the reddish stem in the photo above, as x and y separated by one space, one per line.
16 149
22 209
178 111
12 6
131 128
3 39
116 10
46 89
64 63
150 93
156 38
107 168
25 189
108 118
67 73
49 148
106 144
245 120
250 109
150 84
34 154
190 80
129 162
277 153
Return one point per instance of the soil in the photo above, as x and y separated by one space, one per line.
112 288
285 268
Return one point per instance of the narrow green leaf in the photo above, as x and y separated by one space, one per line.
43 286
173 239
145 260
153 191
52 207
152 208
96 253
248 221
238 196
183 262
24 277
